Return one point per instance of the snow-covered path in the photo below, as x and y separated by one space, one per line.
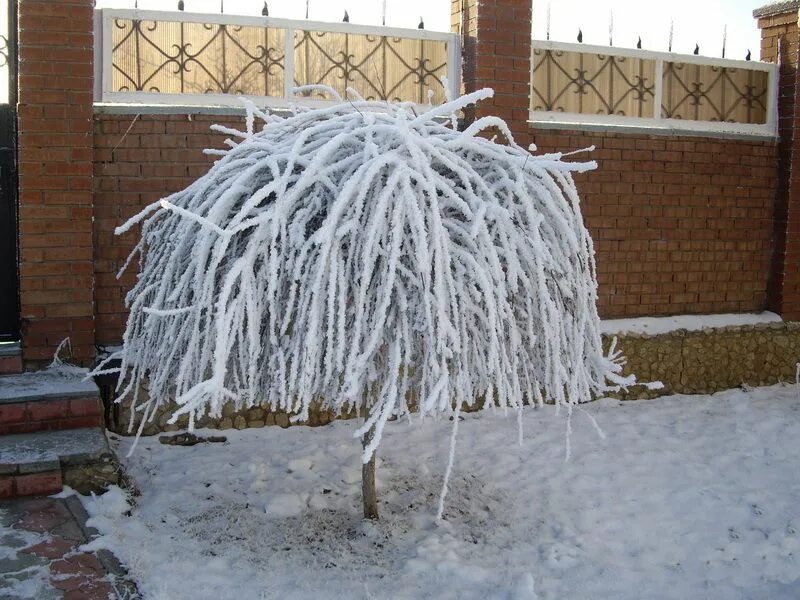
686 497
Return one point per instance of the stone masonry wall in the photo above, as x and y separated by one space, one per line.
703 362
686 362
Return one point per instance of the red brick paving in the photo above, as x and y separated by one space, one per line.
76 574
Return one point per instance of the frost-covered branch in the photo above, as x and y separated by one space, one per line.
361 252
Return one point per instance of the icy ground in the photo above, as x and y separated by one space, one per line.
686 497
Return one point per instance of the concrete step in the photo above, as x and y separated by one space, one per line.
43 462
48 401
10 358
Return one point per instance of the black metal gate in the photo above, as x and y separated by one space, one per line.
9 274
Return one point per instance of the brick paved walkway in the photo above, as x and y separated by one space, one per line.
40 557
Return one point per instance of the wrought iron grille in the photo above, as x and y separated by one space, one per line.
4 51
712 93
197 58
571 80
379 67
187 57
584 83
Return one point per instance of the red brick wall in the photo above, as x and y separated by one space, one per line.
779 43
139 160
55 177
681 225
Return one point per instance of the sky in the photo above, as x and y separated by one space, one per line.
695 21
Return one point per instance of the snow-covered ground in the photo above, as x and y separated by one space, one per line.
685 497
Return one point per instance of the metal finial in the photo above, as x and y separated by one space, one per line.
307 2
671 32
748 56
547 26
421 24
639 43
383 14
221 6
696 49
580 36
265 10
346 18
180 4
610 27
724 39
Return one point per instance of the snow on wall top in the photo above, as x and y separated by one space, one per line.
660 325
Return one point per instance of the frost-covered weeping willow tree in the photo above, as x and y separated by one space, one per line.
365 257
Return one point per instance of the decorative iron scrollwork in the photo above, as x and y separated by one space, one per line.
177 57
577 82
200 58
712 93
378 67
4 52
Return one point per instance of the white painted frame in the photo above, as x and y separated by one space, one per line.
657 123
103 22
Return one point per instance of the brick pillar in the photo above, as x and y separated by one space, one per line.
779 43
55 178
496 47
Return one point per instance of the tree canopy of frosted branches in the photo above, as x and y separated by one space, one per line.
363 256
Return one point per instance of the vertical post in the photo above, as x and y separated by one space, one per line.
496 50
778 23
288 64
772 100
453 66
107 57
658 94
55 117
98 55
369 489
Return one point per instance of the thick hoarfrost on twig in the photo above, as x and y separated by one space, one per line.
363 256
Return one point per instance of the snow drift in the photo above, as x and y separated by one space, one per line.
366 257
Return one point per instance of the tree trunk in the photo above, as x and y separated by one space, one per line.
369 492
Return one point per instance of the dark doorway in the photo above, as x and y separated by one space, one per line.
9 274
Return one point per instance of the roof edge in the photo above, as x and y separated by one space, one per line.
776 8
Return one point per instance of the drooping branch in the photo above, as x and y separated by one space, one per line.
361 249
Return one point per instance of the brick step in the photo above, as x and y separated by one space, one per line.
43 462
10 358
46 401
